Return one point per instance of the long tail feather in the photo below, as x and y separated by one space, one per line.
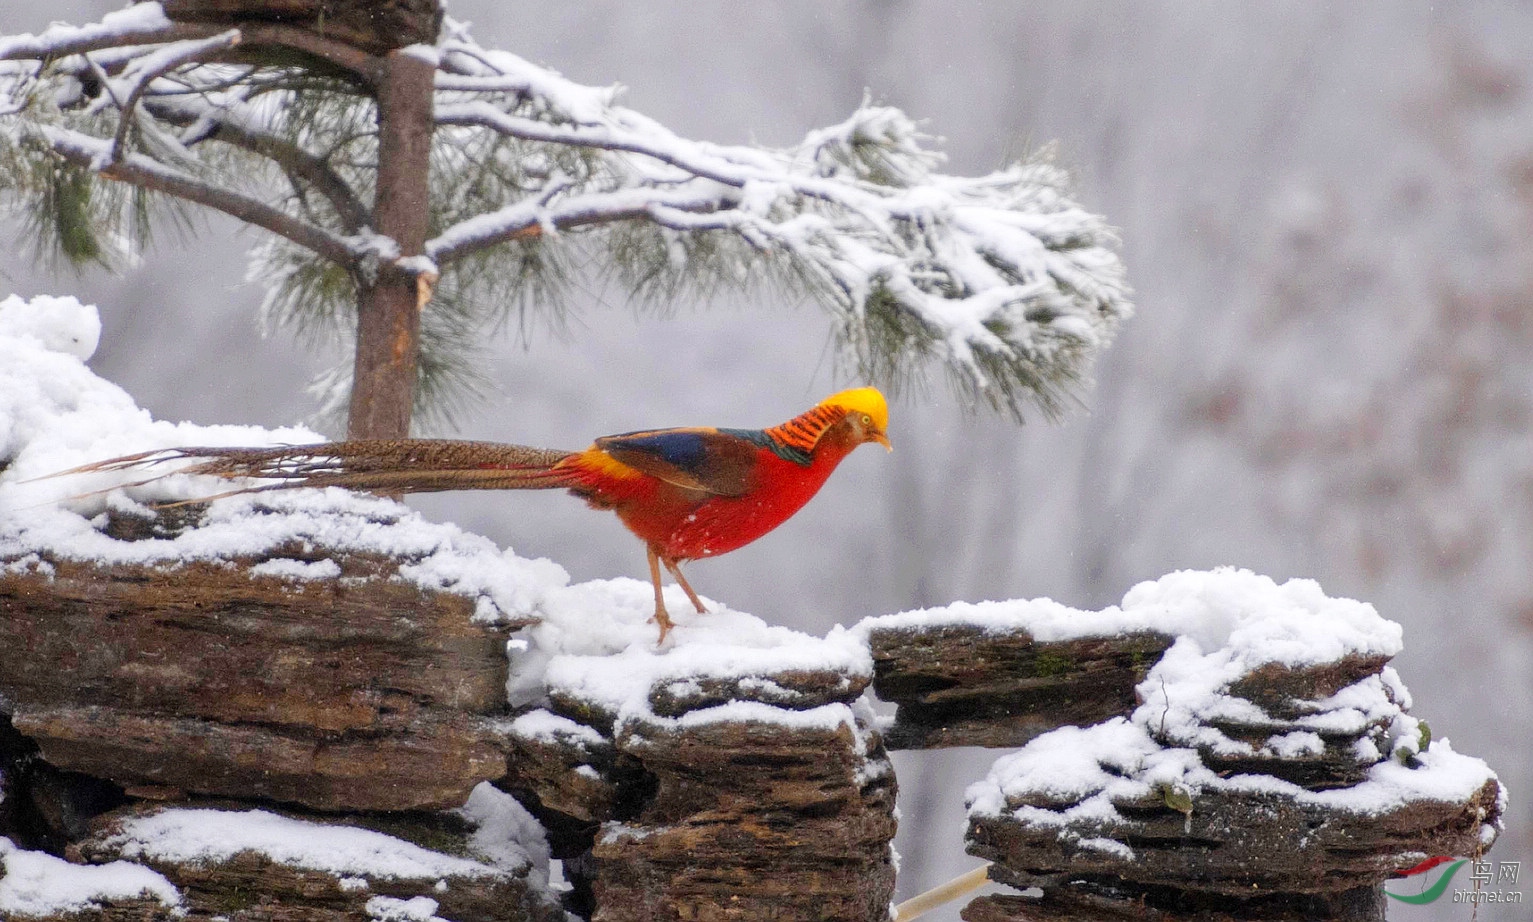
380 465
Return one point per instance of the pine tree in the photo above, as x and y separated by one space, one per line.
417 188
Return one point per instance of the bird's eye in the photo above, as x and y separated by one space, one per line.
867 420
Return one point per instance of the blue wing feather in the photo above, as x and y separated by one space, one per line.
684 449
711 460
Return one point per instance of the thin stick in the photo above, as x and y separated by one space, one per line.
945 893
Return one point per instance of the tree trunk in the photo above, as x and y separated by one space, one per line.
388 308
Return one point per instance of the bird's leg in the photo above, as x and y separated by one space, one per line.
662 617
675 569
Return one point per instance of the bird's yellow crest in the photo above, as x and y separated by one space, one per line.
862 400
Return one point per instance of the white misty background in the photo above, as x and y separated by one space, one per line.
1327 214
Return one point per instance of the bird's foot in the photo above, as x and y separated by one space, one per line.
663 618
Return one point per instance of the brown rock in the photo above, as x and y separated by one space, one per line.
795 689
960 685
1278 688
1289 697
567 772
707 815
357 693
1235 843
137 910
1338 764
751 820
42 807
420 765
251 886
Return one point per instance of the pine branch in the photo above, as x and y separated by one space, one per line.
598 137
223 123
1000 276
352 60
145 70
534 218
135 169
141 24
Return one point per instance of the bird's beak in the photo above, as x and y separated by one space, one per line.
881 439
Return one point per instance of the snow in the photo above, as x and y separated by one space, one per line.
57 324
597 643
331 521
1065 766
1257 619
508 841
419 265
555 728
372 245
38 884
55 414
1228 623
1296 744
505 834
393 909
297 570
1094 768
138 19
824 717
477 68
425 53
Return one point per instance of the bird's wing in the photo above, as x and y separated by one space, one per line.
698 459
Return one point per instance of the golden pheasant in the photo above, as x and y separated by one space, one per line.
686 493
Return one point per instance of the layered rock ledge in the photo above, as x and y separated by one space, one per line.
737 774
1271 771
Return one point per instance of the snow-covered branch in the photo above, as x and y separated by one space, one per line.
141 23
145 24
227 121
127 89
1001 275
167 80
136 169
524 219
